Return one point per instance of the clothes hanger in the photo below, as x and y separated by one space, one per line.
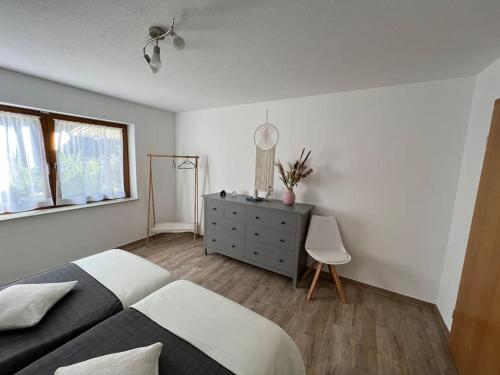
187 164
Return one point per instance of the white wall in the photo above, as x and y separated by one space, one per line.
486 91
386 164
33 244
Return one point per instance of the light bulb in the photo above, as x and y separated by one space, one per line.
177 42
155 63
153 69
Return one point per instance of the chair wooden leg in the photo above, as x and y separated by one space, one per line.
336 278
308 271
315 281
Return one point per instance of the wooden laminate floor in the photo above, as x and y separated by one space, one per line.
376 333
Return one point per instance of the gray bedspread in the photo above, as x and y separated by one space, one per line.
124 331
83 307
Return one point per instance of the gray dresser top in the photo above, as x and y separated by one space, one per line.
297 208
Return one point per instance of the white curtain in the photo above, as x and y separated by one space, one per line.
89 162
24 175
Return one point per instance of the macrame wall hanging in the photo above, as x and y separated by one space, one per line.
266 138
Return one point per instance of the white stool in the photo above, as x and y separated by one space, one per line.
324 245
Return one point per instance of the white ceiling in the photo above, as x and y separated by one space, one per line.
246 51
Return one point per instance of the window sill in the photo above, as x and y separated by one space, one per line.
45 211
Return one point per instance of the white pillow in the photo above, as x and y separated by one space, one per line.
24 305
143 361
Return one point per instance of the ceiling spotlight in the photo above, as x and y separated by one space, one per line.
177 42
155 63
157 33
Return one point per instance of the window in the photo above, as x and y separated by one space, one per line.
24 176
49 160
89 162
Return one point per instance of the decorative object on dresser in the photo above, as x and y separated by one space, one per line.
266 138
293 175
324 244
267 234
172 227
254 199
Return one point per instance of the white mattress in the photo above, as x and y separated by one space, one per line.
236 337
128 276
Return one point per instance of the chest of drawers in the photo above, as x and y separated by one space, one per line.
269 235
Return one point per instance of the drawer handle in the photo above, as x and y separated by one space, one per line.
214 209
257 217
282 240
213 240
214 223
283 223
256 234
256 253
233 246
233 228
281 260
234 212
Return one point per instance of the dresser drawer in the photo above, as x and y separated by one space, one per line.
270 237
283 222
213 222
233 228
213 239
284 261
228 227
234 212
257 216
233 247
230 246
214 207
269 256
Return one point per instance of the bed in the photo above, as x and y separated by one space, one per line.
108 282
201 332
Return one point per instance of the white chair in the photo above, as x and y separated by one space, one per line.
324 245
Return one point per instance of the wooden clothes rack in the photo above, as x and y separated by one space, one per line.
171 227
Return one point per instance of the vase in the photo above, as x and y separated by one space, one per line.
288 197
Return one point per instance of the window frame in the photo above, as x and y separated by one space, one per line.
47 120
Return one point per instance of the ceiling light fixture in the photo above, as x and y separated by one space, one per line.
157 33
